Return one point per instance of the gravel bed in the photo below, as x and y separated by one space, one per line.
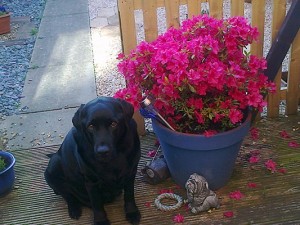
15 59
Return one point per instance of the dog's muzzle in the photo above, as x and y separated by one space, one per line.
102 151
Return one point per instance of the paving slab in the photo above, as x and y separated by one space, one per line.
64 49
59 7
57 87
29 130
70 24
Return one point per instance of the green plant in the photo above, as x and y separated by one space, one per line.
33 31
2 163
34 67
3 11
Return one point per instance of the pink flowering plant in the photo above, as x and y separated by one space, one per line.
199 76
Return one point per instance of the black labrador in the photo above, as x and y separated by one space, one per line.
98 160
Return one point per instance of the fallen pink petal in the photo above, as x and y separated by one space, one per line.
228 214
254 133
271 165
255 152
148 204
254 159
294 144
236 195
151 153
162 191
284 134
282 170
178 187
178 218
157 143
252 185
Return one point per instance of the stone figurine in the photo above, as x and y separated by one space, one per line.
199 197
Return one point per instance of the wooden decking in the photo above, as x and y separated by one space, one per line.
275 200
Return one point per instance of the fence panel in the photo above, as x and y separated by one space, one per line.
150 20
194 7
293 91
258 20
216 8
237 8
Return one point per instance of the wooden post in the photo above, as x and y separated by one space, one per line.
150 20
292 95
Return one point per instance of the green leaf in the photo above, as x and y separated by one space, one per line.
192 89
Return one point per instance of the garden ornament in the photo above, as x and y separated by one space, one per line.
199 197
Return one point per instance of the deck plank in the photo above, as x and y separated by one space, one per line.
276 200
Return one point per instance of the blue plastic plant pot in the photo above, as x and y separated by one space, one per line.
211 157
7 176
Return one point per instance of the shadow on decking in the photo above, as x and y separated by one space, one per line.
275 200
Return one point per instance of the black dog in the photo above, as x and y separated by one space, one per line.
98 160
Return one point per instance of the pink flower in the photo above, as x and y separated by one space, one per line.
271 165
255 152
284 134
235 116
254 159
209 133
237 195
178 218
293 144
228 214
252 185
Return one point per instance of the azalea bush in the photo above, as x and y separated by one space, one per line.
199 76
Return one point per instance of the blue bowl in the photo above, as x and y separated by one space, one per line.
7 176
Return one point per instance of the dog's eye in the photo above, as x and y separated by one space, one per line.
90 128
113 124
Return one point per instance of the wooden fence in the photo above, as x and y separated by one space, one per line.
290 92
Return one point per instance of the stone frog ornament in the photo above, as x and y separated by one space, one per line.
199 197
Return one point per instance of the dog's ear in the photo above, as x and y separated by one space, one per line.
76 117
127 108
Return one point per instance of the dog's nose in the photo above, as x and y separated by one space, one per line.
102 149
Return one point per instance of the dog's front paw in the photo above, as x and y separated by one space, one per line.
74 211
105 222
134 217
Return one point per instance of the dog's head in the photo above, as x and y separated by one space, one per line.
106 123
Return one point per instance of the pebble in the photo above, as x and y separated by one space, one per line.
15 59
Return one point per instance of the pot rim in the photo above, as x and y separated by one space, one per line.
7 155
244 123
5 15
